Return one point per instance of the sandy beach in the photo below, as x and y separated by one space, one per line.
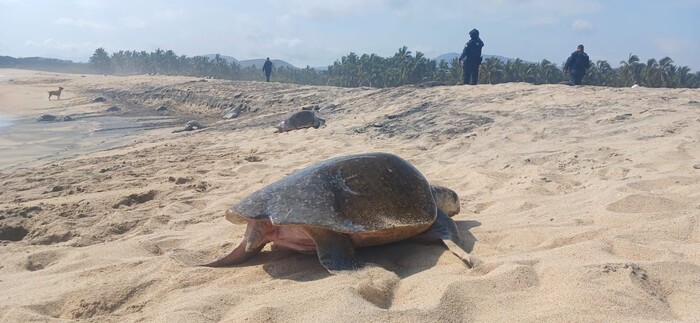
583 203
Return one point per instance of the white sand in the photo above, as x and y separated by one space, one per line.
583 202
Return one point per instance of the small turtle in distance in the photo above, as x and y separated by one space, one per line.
300 120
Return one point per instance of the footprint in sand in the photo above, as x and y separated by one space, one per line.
41 260
638 203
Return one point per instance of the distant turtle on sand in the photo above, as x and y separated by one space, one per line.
300 120
233 113
193 125
162 108
332 207
190 126
113 109
46 117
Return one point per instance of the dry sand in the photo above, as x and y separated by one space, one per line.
583 202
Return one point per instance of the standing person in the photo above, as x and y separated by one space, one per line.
471 58
576 65
267 69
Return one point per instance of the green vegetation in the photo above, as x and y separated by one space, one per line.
403 68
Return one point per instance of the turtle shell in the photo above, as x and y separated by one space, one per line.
302 119
365 193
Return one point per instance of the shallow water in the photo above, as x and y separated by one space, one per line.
58 139
5 121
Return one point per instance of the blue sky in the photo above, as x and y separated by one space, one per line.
317 32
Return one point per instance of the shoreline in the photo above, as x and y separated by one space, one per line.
6 121
26 142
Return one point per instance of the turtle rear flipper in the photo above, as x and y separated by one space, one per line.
200 258
253 241
334 249
446 230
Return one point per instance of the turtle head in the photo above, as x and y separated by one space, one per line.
235 217
253 207
319 123
446 200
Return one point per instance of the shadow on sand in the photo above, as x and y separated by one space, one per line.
404 258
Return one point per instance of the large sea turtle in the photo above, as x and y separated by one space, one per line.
336 205
300 120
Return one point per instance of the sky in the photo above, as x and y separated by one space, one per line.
318 32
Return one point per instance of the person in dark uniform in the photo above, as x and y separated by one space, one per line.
471 58
267 69
576 65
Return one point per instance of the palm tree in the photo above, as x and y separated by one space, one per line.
101 61
491 71
666 70
651 73
683 77
630 69
607 73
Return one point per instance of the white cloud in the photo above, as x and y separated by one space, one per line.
670 46
53 44
134 22
543 20
562 7
324 8
287 42
138 22
13 2
81 23
169 14
90 4
581 26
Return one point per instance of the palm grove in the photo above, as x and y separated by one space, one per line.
403 68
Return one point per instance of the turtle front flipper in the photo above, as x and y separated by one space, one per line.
334 249
446 230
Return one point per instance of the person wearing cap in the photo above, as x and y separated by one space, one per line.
471 58
267 69
576 65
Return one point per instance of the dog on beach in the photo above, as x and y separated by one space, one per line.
56 93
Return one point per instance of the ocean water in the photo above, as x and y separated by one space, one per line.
5 121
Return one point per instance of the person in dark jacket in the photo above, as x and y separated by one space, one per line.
267 69
576 65
471 58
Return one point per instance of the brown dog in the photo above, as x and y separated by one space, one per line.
56 93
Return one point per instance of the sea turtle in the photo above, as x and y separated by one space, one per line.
232 113
46 117
300 120
336 205
113 108
193 125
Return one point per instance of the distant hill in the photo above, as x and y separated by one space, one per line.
258 62
228 59
450 56
44 64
